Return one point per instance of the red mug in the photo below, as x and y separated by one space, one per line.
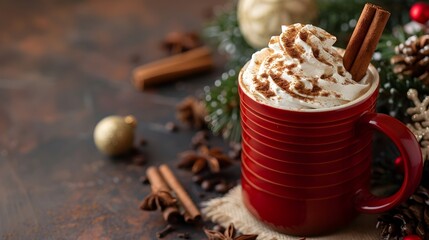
306 180
277 138
298 167
303 194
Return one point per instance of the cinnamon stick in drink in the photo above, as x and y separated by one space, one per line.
192 213
358 35
360 65
366 48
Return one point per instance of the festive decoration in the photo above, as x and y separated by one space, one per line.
114 135
419 12
412 58
412 237
420 117
222 104
261 19
411 218
228 234
204 158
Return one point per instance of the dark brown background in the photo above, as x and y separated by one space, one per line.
64 65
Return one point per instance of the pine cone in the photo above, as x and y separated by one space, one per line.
412 217
412 58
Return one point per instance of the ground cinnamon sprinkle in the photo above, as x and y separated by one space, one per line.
295 51
316 53
325 94
283 84
325 76
315 91
303 35
291 66
274 40
331 79
315 33
263 87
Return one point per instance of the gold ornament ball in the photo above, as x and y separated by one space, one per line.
114 135
259 20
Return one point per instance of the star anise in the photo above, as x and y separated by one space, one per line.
158 200
178 42
204 157
192 112
228 234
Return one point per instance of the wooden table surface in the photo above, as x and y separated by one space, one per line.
64 65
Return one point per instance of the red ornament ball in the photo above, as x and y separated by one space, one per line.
419 12
412 237
399 165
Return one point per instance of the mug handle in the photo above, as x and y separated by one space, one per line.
410 152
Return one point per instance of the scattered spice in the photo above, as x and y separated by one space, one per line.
207 185
143 142
165 231
144 180
184 235
235 151
222 187
228 234
217 184
192 112
201 195
179 42
171 127
203 158
197 179
192 213
158 200
161 197
200 138
139 160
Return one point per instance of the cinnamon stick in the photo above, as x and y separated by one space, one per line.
367 49
171 213
358 35
192 213
170 68
359 52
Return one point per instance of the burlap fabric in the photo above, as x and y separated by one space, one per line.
230 208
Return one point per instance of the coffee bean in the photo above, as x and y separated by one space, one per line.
197 179
207 185
184 235
222 187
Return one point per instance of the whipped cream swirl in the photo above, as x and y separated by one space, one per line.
301 70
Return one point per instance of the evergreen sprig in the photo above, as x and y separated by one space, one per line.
222 104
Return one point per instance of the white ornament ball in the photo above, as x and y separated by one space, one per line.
259 20
114 135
